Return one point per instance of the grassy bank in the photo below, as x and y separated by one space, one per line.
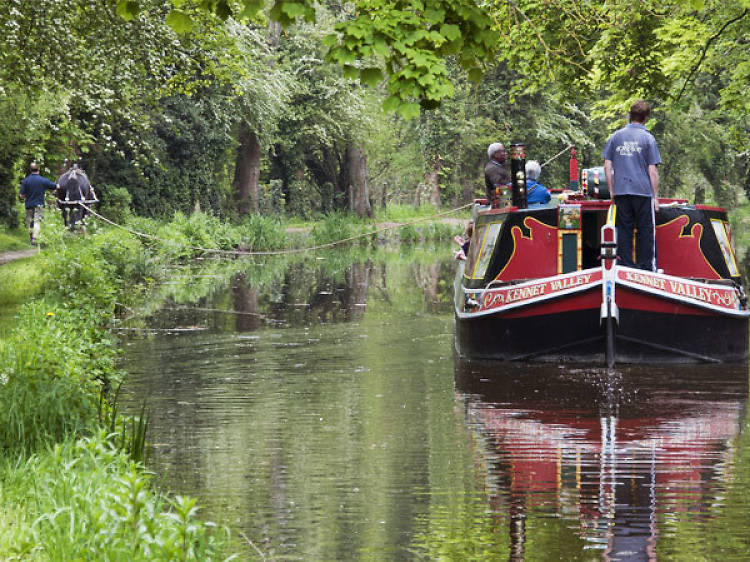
11 240
19 280
71 486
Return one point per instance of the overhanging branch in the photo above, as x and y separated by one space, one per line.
705 51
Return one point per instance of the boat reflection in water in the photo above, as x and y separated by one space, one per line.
619 454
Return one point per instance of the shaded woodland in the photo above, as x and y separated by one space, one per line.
301 109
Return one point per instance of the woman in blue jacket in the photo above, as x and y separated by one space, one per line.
536 193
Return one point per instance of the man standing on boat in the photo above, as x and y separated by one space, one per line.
495 174
631 157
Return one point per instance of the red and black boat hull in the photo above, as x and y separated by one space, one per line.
547 284
641 337
657 318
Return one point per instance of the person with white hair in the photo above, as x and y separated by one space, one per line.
536 193
495 174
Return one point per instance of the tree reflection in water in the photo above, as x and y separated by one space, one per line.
316 408
616 452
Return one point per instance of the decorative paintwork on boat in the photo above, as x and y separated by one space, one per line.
543 283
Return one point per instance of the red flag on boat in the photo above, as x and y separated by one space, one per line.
573 169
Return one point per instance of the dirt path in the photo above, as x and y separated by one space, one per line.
6 257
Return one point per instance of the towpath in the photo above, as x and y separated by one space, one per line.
6 257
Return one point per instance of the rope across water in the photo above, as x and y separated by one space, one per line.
277 252
556 156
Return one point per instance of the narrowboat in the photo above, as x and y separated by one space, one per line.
542 283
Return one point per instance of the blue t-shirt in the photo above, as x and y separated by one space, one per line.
33 187
536 193
632 150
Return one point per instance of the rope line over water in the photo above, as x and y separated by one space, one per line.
277 252
556 156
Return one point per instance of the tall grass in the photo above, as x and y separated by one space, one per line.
402 213
189 236
52 369
85 500
17 239
19 281
336 227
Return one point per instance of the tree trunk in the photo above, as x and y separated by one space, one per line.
247 171
359 200
431 181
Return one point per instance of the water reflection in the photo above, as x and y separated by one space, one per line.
305 410
625 456
315 407
306 293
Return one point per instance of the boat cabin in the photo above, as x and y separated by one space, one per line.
512 245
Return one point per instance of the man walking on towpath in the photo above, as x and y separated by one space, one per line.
33 188
631 157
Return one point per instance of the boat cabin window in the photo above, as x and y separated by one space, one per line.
481 249
591 225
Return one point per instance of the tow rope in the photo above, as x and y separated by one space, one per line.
276 252
556 156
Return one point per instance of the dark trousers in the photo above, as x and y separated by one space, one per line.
635 211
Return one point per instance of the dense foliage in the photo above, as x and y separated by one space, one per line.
212 104
84 499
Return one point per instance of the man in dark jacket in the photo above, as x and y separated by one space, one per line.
33 188
495 174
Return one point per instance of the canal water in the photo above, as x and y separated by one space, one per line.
316 408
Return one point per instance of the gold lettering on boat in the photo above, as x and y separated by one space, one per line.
568 282
710 295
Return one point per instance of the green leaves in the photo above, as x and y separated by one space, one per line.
370 76
409 110
412 41
450 31
179 21
287 11
127 9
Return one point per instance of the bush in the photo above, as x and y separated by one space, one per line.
439 232
76 274
336 226
261 233
115 203
409 234
124 253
